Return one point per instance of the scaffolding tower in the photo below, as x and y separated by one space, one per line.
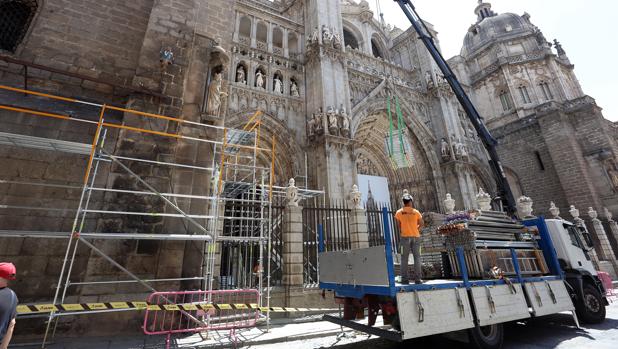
238 207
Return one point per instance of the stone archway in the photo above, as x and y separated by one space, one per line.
288 153
372 159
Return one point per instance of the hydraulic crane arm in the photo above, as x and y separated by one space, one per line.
504 190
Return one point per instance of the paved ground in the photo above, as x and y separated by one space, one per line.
556 331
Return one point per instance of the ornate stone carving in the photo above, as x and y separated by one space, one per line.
593 214
355 198
291 193
240 75
612 173
326 35
574 213
449 204
337 41
524 207
608 214
259 79
554 210
483 200
294 89
319 122
311 126
277 85
345 122
445 150
429 80
366 167
333 124
315 37
215 92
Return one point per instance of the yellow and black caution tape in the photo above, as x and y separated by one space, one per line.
86 307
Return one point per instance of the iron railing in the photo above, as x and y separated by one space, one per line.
375 225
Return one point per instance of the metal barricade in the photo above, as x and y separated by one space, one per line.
171 313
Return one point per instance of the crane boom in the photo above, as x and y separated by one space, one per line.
504 190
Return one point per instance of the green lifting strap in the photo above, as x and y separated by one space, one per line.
391 149
400 128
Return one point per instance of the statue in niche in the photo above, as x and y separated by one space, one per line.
444 150
610 167
429 80
326 35
240 75
461 149
333 123
319 122
315 36
259 79
278 85
294 89
214 96
311 126
337 41
345 122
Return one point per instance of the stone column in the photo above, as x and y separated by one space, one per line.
253 32
286 49
580 223
359 231
292 239
604 247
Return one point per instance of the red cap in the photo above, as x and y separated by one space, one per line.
7 271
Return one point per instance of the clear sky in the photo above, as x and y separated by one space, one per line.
587 30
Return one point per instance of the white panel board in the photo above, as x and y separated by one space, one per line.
442 311
507 305
365 266
548 297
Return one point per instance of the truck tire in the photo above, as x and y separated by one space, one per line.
487 337
590 309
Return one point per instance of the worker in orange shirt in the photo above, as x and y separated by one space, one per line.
410 221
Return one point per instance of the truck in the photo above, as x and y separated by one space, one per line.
495 269
469 303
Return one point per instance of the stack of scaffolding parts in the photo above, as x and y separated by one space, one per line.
487 239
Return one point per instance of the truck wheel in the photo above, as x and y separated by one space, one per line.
590 309
487 337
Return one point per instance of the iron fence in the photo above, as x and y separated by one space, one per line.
375 225
335 219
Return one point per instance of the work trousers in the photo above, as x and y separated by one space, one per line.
415 245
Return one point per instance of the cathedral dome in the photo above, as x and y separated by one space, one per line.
491 27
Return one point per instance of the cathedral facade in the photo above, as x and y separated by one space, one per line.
342 96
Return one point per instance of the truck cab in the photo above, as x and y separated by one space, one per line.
573 246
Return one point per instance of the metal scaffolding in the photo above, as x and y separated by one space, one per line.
236 222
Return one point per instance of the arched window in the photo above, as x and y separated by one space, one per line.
349 39
523 92
375 49
505 100
244 29
277 37
547 95
15 18
292 44
261 32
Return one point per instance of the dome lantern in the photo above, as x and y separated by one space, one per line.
483 10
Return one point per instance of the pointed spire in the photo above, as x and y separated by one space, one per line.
559 48
483 10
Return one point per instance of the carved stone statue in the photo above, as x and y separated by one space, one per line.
337 41
355 198
315 36
294 89
278 85
461 150
483 200
319 122
311 126
524 207
554 210
333 124
449 204
429 80
345 122
215 93
326 35
445 150
259 79
240 75
612 173
291 193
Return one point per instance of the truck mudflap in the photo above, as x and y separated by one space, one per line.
499 303
548 297
424 313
